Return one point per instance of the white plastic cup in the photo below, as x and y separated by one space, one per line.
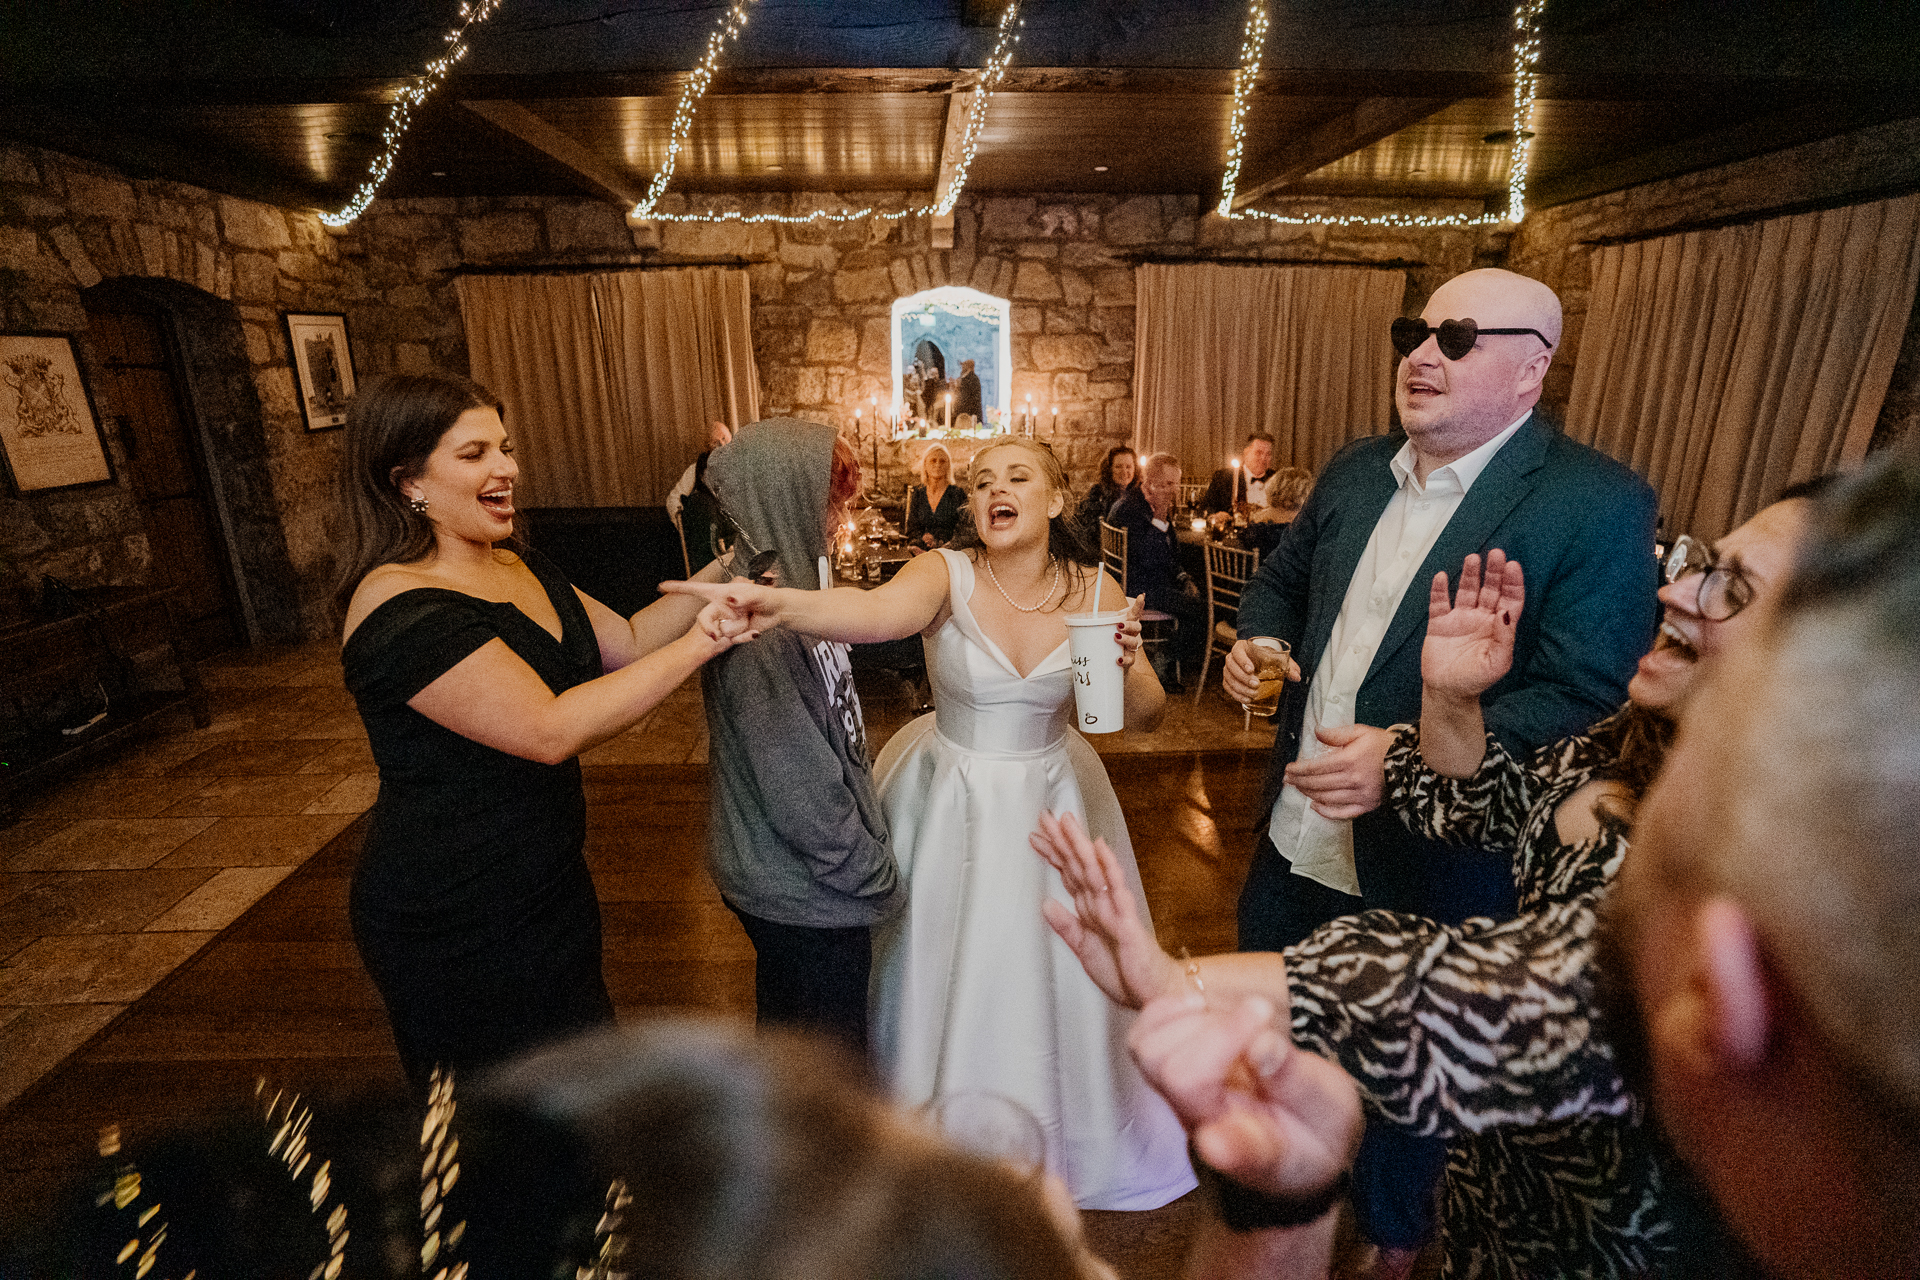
1099 683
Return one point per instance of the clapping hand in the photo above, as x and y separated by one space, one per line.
1266 1114
1469 642
1103 927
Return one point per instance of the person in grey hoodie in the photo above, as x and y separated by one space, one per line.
797 839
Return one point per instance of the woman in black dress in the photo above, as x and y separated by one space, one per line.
936 504
1119 476
479 677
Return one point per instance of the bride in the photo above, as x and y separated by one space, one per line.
971 990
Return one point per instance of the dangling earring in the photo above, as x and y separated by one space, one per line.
417 505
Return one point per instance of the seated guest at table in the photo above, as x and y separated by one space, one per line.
1244 488
1287 491
1153 562
1119 476
797 840
690 504
936 504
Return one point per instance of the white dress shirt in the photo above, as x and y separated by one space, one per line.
1322 848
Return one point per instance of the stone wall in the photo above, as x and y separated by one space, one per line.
823 295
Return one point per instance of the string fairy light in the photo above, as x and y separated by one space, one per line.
726 30
1526 56
400 112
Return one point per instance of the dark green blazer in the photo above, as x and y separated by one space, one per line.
1581 525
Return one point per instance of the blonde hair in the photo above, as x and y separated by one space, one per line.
942 451
1289 487
1063 536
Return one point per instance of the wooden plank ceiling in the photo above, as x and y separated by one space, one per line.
1409 99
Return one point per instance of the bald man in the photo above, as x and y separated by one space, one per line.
1472 467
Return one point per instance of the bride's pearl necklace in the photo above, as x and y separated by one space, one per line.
1025 608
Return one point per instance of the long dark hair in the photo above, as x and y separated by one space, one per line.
1639 738
394 422
1106 467
1064 539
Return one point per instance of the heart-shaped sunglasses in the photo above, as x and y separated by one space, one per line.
1456 337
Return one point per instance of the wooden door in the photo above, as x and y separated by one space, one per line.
168 476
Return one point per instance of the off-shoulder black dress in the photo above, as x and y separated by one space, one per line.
471 905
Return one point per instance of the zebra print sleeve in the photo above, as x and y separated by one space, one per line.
1488 809
1457 1029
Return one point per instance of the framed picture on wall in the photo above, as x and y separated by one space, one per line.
48 429
322 368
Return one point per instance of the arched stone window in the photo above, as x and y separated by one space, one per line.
936 329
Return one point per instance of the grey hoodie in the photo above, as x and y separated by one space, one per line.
796 835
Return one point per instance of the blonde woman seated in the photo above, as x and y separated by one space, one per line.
971 990
934 507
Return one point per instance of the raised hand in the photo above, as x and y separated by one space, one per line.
1103 927
1266 1114
1470 637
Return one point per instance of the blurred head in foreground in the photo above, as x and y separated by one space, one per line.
1769 913
673 1149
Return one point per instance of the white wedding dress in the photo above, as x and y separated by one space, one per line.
971 989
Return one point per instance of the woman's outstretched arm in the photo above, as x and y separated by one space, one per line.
900 608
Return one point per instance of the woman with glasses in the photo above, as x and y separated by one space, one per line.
481 677
1484 1032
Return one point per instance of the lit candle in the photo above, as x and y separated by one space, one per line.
948 398
1235 464
1029 415
1056 421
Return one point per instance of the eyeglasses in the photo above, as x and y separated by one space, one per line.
1724 589
1456 336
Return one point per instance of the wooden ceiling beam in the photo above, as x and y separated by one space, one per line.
1346 133
1809 122
959 106
564 148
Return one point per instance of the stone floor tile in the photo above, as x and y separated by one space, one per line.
254 797
53 902
344 755
108 844
331 724
251 758
221 900
94 968
39 1039
353 794
259 842
108 798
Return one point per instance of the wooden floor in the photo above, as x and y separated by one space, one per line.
280 992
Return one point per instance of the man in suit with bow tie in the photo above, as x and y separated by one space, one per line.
1473 467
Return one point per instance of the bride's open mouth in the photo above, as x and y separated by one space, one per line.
1001 515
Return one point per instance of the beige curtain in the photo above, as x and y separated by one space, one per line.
1724 365
1300 352
687 333
610 380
